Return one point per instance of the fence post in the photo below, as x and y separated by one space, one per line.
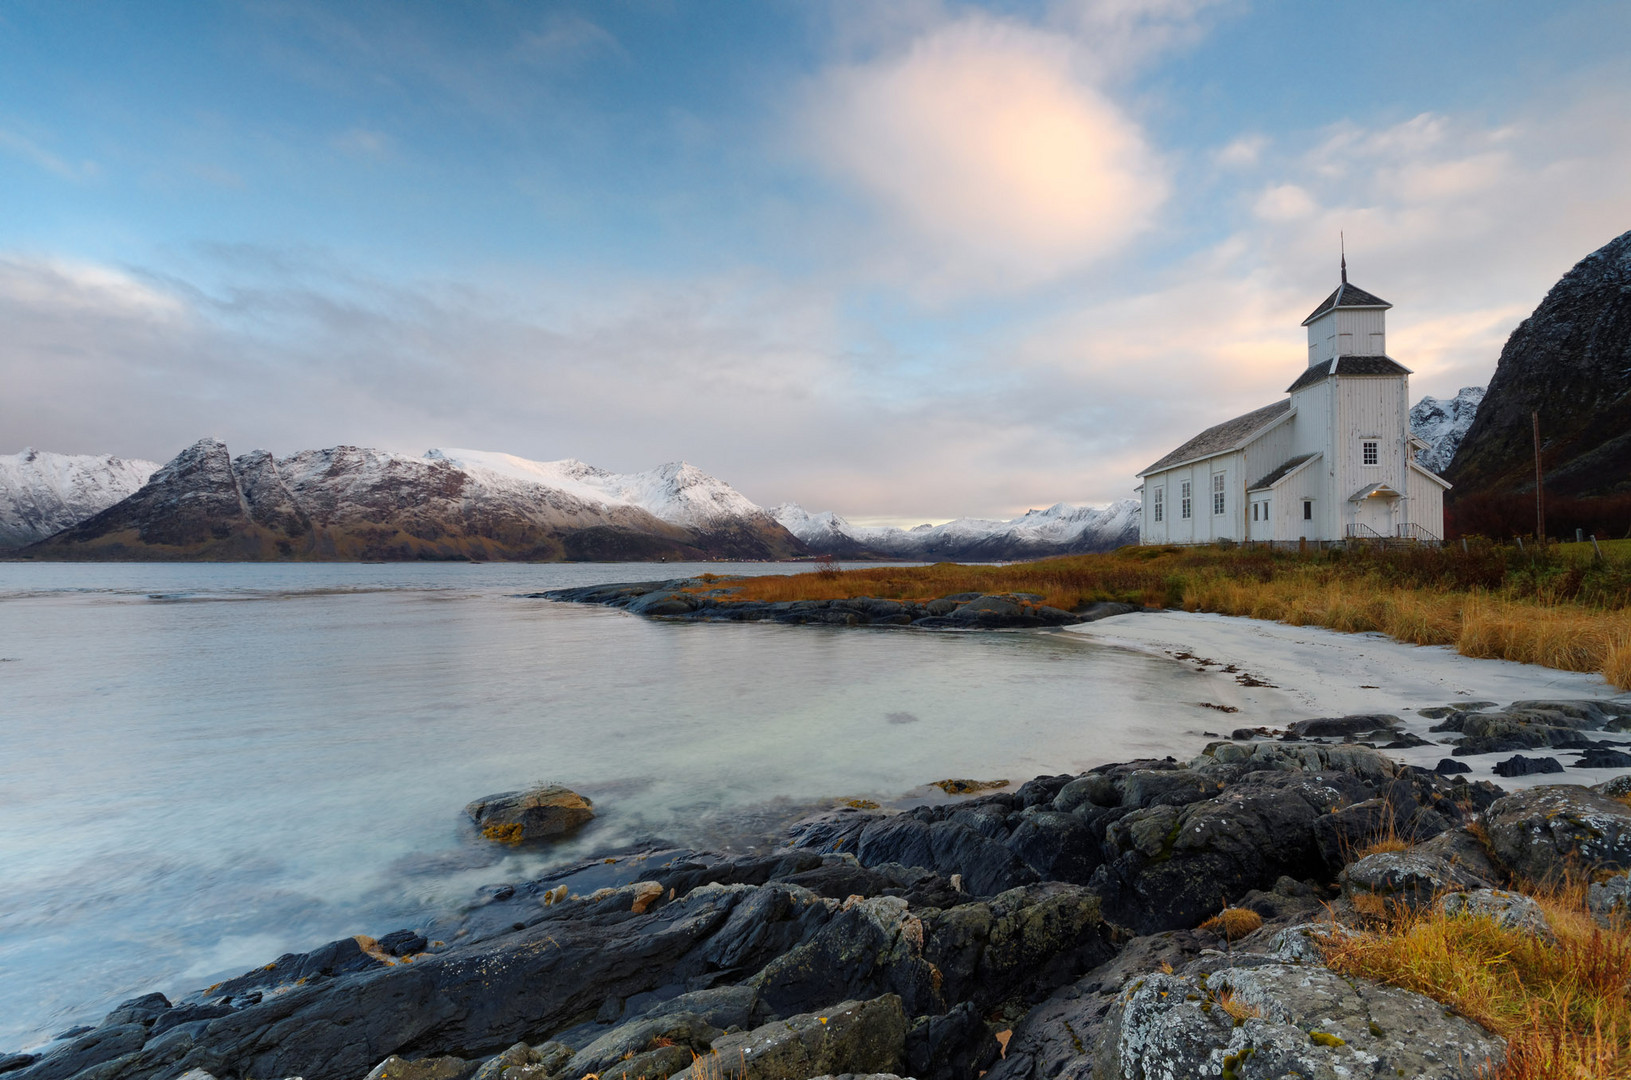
1463 545
1595 548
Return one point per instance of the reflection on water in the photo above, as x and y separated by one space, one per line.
192 786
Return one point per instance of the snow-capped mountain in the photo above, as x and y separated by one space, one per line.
679 492
349 502
42 493
1060 529
1443 424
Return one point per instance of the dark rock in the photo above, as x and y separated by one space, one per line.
98 1047
1093 788
1059 847
1450 766
1603 759
1518 765
142 1010
1542 833
11 1062
342 957
546 812
403 942
1247 837
1404 740
957 1045
188 1014
1340 726
985 866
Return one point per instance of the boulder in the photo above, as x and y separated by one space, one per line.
545 812
430 1068
1345 726
682 1031
1518 765
850 1037
1513 911
1617 788
1545 832
1610 901
1295 1020
1600 758
1404 878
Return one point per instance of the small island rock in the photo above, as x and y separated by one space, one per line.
546 812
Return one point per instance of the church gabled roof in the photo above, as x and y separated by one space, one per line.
1229 435
1348 365
1348 296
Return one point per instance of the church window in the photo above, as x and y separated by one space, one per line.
1160 503
1217 493
1184 501
1370 452
1308 509
1254 511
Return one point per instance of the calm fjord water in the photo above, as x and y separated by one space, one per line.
204 766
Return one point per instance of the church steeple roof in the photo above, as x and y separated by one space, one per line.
1347 296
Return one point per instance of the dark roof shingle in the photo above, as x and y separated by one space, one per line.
1224 436
1347 296
1274 477
1348 365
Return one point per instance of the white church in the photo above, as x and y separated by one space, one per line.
1334 460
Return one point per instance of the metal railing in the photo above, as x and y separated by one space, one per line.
1419 533
1358 531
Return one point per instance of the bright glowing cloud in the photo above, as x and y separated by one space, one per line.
983 141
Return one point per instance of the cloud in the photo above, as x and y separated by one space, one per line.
23 147
1002 166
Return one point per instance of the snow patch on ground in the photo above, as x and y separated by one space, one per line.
1317 672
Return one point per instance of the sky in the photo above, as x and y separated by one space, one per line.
903 259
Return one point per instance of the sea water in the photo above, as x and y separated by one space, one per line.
205 766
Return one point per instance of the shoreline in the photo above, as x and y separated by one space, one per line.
1091 849
1071 875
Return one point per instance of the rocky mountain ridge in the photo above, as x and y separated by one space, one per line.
350 502
1570 361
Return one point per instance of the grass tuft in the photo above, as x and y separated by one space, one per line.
1562 1004
1233 923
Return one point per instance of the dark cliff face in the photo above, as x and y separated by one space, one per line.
350 503
1570 361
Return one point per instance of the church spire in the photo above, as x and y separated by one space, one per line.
1342 245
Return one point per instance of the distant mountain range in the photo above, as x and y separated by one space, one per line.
1060 529
353 503
42 494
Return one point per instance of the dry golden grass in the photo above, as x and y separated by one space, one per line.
1233 923
1562 1005
1485 603
1238 1010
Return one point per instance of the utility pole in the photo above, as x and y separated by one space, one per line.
1540 502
